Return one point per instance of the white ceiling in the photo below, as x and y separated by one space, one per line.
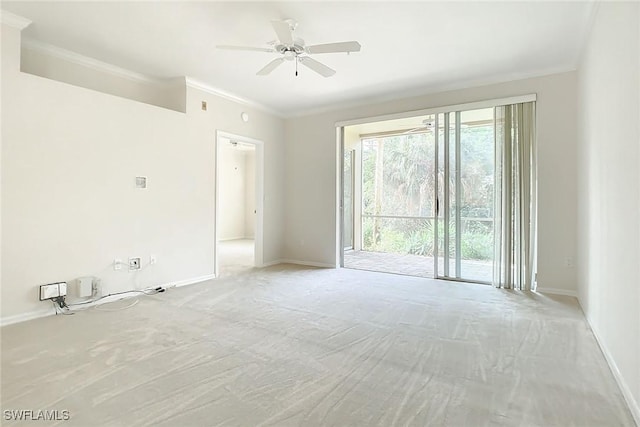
408 48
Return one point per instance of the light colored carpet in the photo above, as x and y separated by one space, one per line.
298 346
236 256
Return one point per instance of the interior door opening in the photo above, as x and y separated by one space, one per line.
238 230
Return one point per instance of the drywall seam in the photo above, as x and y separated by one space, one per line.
634 407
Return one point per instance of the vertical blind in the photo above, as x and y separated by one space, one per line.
515 197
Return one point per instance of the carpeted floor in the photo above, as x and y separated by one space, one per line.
235 257
289 346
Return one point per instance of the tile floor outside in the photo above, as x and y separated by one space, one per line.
415 265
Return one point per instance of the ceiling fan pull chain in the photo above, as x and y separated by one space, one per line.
297 59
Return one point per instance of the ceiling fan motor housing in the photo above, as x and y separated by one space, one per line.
297 48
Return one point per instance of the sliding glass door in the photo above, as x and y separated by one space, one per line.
464 194
348 181
394 226
418 196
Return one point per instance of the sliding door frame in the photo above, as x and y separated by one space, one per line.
447 110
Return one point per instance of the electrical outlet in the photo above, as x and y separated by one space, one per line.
152 259
134 263
85 287
53 290
49 291
568 262
117 264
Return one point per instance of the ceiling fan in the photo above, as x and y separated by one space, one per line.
294 49
427 125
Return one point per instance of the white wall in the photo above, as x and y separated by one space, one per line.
609 189
237 192
311 172
224 115
168 94
250 195
69 206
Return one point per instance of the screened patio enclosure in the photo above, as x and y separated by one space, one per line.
417 195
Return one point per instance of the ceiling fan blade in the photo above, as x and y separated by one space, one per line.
255 49
347 47
413 130
316 66
283 30
267 69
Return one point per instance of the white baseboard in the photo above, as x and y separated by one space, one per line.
191 281
9 320
297 262
307 263
17 318
634 406
556 291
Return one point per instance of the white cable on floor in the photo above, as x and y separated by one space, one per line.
97 307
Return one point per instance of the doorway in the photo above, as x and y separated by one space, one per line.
238 233
418 195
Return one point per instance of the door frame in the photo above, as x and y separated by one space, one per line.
442 207
258 255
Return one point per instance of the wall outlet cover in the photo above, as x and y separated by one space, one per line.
141 182
53 290
85 287
134 263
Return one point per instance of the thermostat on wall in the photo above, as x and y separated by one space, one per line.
141 182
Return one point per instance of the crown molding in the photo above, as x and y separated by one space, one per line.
86 61
196 84
95 64
349 105
13 20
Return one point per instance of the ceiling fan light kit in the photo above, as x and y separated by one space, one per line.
294 49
